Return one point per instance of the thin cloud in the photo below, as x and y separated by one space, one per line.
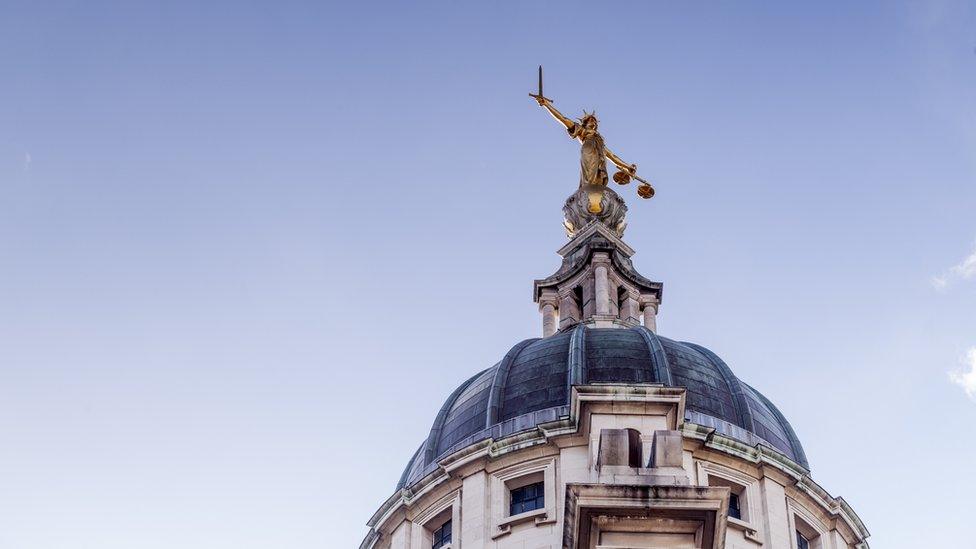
964 270
966 379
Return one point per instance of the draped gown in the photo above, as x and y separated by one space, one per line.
593 199
593 162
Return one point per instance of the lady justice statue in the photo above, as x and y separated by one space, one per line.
593 200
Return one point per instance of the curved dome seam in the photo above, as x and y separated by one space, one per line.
576 359
739 402
500 379
660 366
433 438
794 440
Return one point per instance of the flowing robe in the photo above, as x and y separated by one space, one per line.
593 162
593 166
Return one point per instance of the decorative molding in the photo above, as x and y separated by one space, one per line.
586 504
498 495
753 495
794 510
591 228
421 533
625 395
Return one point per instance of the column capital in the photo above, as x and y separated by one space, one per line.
649 300
600 258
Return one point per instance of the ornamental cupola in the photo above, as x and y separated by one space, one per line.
597 284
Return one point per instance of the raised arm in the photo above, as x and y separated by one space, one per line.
543 102
618 162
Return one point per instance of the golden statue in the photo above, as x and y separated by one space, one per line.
593 156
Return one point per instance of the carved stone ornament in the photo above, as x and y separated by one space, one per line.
612 211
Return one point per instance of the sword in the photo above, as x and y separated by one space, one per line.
539 96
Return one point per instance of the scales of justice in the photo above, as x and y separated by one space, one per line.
593 199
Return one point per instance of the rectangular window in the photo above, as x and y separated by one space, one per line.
801 542
442 536
738 496
734 510
527 498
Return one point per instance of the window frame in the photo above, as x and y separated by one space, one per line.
538 493
734 496
501 484
803 522
800 537
427 522
742 485
438 541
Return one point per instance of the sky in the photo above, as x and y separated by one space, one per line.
247 250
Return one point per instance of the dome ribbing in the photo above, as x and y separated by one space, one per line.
531 385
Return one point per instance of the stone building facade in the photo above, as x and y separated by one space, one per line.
604 434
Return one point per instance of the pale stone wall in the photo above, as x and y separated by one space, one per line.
777 496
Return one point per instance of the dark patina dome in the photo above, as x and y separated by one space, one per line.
531 385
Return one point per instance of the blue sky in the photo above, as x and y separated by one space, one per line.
247 250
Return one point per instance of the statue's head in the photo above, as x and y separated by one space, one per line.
589 120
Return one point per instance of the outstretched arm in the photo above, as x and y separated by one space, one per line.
618 162
543 102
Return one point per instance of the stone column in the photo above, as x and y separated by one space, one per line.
601 283
548 307
649 304
602 290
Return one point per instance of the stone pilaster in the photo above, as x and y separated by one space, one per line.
629 311
570 311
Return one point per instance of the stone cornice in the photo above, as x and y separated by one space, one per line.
592 228
552 432
578 254
763 455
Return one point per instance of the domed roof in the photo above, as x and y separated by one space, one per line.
531 385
